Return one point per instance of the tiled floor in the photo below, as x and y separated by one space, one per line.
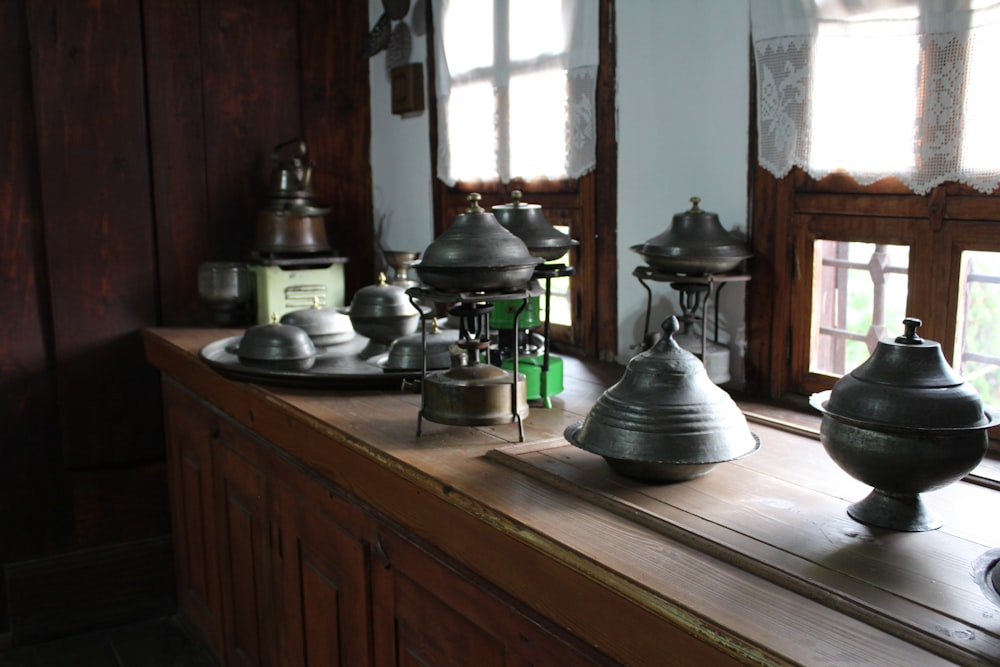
160 642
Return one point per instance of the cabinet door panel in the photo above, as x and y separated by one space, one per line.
190 431
244 563
427 612
325 588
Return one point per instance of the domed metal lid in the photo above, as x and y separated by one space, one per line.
275 342
476 240
407 352
382 300
906 384
694 243
665 409
528 223
326 326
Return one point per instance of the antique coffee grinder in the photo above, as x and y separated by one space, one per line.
519 339
292 262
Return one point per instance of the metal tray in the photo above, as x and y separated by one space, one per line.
336 367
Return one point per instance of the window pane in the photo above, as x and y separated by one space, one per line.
538 124
863 117
859 296
559 294
535 28
981 140
468 35
471 110
978 314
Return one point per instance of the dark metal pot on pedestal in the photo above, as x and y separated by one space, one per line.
903 422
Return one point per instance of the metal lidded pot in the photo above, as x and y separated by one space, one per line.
528 223
665 420
903 422
694 244
382 312
473 394
275 345
325 326
430 349
476 254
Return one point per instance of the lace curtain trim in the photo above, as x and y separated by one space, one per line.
942 136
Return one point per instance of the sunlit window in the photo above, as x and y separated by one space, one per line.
859 296
864 100
507 104
978 315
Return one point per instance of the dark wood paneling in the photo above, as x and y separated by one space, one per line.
137 143
88 88
31 489
250 85
336 115
177 140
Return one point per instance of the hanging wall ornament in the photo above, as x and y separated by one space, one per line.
378 38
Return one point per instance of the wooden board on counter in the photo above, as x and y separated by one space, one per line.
780 515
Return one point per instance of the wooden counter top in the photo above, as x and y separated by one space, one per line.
758 558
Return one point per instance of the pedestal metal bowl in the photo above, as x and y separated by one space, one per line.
903 422
383 313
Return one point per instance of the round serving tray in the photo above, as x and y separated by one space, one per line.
336 367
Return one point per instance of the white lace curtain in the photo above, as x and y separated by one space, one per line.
877 88
515 86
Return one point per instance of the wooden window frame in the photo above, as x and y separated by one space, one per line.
594 287
788 214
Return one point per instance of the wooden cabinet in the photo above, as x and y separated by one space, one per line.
323 581
244 546
278 567
190 434
428 613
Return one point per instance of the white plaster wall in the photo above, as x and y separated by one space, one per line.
683 77
400 150
682 131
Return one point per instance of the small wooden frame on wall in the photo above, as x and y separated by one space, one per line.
407 89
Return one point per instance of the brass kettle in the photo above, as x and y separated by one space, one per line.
291 222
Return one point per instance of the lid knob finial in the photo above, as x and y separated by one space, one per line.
474 206
910 336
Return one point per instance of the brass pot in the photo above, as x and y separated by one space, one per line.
665 420
694 243
476 254
903 422
473 394
528 223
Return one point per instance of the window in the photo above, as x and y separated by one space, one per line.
515 84
849 241
523 103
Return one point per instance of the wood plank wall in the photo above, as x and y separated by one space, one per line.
136 141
